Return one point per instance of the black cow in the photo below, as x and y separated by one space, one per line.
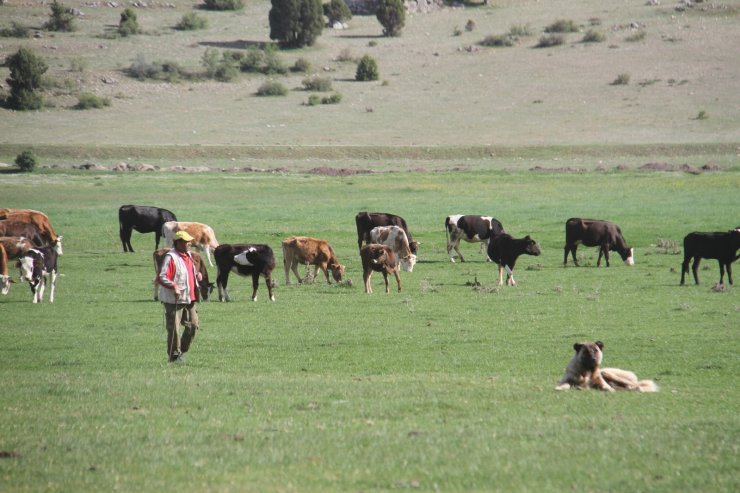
35 266
722 246
504 249
471 229
366 221
244 259
595 232
143 219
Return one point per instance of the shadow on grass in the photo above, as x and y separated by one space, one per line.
10 171
239 44
361 36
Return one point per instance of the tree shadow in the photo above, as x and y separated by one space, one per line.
240 44
361 36
10 171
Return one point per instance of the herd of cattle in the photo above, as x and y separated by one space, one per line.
384 241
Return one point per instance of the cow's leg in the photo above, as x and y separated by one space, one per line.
685 267
565 255
325 270
158 235
39 295
268 283
695 269
368 285
126 239
729 272
457 249
222 280
286 269
500 275
255 284
398 279
208 254
509 276
53 283
721 272
385 278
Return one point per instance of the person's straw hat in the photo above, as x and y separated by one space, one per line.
183 235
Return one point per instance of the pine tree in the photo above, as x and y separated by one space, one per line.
26 71
296 23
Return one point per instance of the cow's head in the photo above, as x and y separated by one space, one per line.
31 266
407 263
628 255
531 247
589 354
58 245
414 246
4 284
337 271
206 288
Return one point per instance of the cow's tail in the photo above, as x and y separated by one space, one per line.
447 229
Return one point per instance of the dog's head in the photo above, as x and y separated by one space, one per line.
589 354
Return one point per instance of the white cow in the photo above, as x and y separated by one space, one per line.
395 238
204 239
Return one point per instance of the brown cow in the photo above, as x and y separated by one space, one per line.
16 246
204 287
378 258
310 251
204 238
394 237
39 220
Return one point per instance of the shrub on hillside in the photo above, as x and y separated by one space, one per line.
296 23
337 11
334 98
272 88
392 16
26 161
520 31
162 71
593 36
221 67
301 65
87 101
26 76
16 30
621 80
263 61
497 40
550 40
128 24
223 4
562 26
191 22
60 19
316 83
638 35
367 69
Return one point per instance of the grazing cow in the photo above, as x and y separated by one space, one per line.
204 286
4 276
505 249
366 221
244 259
395 238
310 251
143 219
39 220
44 235
722 246
204 238
15 246
35 266
378 258
594 232
471 229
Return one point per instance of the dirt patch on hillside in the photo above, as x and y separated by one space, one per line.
686 168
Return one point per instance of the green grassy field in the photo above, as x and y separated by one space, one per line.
438 388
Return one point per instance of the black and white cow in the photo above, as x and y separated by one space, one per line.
470 228
246 260
504 249
596 232
722 246
36 265
366 221
144 219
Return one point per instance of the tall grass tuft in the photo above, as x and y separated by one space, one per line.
550 40
562 26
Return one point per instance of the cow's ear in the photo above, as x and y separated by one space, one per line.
600 344
577 346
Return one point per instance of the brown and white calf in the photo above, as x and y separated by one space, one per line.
16 246
378 258
245 259
204 238
471 229
366 221
38 220
204 286
504 249
310 251
36 265
596 232
395 238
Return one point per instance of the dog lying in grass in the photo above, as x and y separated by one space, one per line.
584 371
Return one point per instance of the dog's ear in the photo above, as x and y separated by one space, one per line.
577 346
600 344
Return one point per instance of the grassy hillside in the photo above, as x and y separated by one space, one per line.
435 88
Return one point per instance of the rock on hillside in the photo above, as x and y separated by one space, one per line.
368 7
